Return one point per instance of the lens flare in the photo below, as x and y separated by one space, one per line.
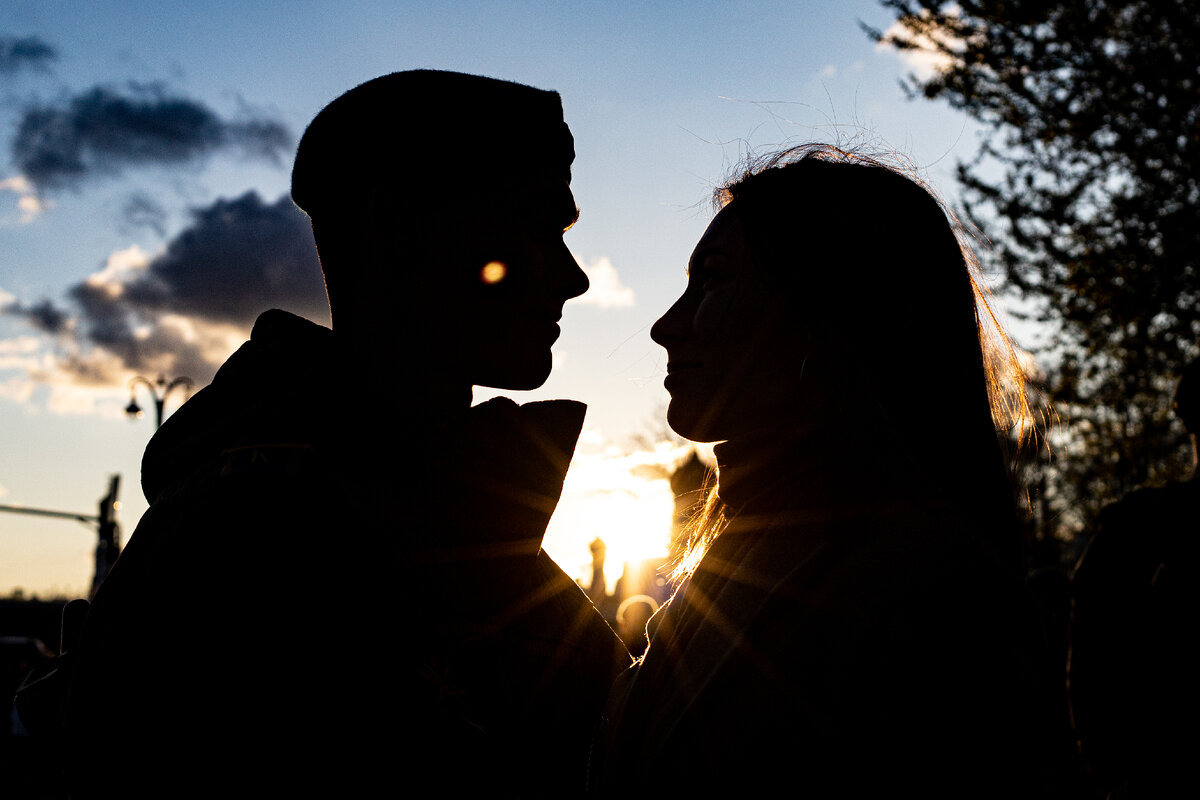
493 272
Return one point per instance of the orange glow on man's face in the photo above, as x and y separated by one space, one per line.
493 272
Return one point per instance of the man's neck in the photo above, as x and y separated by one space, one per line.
410 381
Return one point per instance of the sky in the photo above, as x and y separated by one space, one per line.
145 150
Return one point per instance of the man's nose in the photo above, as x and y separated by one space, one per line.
571 278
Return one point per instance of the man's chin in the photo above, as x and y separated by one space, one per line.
516 379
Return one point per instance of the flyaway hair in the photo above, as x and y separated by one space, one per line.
880 273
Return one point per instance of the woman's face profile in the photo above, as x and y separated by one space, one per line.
732 353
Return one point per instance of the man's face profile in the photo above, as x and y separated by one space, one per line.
453 269
521 274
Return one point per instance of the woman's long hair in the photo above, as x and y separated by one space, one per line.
883 276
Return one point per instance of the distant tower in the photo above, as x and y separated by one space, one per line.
597 591
108 546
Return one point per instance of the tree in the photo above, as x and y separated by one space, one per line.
1087 181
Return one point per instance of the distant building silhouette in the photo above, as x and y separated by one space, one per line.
645 585
687 484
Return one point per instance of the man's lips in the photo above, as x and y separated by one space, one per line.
548 324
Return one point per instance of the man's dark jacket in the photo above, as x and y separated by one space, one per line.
302 606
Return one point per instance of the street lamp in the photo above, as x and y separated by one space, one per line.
159 389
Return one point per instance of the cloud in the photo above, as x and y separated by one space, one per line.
28 204
606 290
922 56
43 316
17 351
183 310
22 354
26 52
18 389
140 210
104 131
237 258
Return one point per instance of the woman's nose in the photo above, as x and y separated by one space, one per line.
673 325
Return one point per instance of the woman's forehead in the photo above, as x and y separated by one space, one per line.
723 235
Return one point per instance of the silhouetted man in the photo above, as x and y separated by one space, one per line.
301 610
1133 663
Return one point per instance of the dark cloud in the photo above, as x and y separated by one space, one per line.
26 52
103 131
140 210
87 371
238 258
43 316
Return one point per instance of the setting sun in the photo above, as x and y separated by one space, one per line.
621 498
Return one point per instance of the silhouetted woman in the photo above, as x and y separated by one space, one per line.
859 625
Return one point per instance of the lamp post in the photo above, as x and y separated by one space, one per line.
108 546
159 389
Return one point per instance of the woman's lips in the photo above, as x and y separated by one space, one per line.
679 366
676 374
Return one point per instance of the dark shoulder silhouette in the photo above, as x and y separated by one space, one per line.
277 621
853 616
1135 603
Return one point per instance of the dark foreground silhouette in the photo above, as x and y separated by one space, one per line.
860 626
264 632
1135 604
851 620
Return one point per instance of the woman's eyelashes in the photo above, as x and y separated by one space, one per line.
710 277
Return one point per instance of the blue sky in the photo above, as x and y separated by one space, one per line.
663 99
